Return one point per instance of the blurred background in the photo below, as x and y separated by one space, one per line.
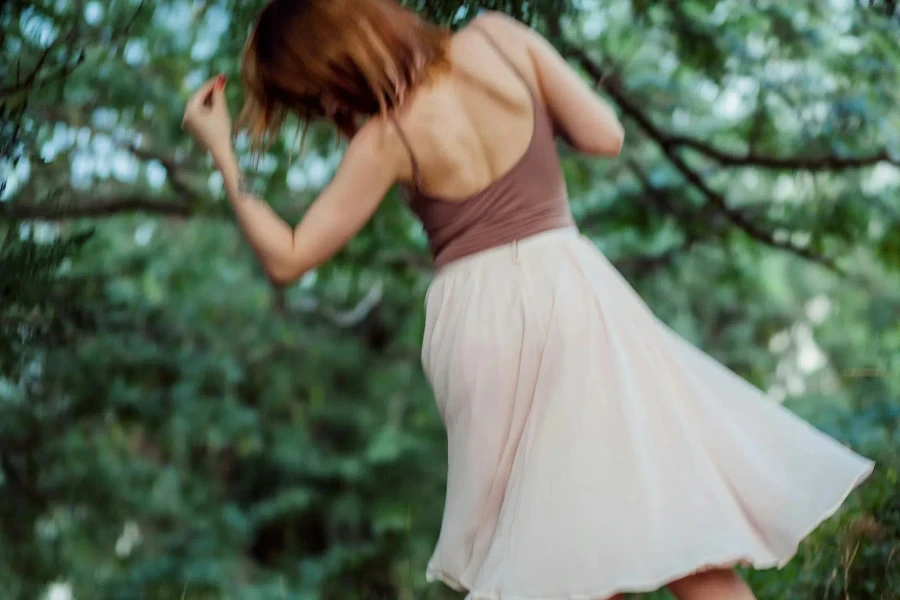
173 427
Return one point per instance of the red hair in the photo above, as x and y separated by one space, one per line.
338 60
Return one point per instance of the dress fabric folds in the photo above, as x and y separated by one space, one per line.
592 450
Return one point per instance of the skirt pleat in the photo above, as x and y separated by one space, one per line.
592 450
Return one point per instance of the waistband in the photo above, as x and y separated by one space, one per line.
513 249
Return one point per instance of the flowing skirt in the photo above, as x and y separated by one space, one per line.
592 450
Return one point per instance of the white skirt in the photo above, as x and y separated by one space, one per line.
592 450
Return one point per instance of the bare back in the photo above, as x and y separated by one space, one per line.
474 123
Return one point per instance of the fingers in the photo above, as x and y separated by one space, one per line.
203 97
196 102
217 95
201 94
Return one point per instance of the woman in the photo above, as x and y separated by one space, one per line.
592 450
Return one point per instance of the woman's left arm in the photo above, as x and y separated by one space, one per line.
340 211
367 171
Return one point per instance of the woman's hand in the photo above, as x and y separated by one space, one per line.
206 116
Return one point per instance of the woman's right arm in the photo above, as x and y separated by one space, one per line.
588 123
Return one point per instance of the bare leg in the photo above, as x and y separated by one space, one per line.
721 584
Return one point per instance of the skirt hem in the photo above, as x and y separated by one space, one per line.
435 574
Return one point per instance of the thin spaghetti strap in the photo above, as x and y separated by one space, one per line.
417 178
503 55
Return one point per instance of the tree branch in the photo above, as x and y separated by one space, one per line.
68 41
670 149
172 168
831 163
76 119
31 81
103 207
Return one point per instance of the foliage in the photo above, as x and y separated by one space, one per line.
171 426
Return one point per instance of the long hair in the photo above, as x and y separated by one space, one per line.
337 60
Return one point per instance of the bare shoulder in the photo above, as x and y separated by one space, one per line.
516 37
501 23
521 44
507 29
373 135
378 142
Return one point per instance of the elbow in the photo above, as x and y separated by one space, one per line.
283 274
290 266
280 280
